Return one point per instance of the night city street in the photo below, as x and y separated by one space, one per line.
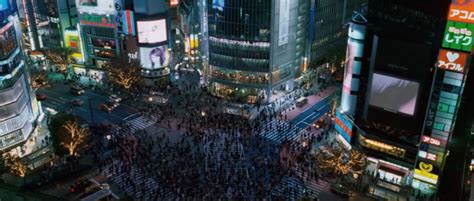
321 100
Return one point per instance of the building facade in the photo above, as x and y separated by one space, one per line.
255 48
23 131
399 109
328 25
100 28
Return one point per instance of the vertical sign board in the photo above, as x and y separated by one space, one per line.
447 89
128 20
284 22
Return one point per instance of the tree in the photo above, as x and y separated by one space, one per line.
334 104
74 136
67 134
124 71
60 57
14 165
335 161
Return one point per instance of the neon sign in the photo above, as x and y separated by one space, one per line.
458 36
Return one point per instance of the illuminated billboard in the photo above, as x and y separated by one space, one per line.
461 11
97 6
458 36
152 31
343 127
218 5
73 41
128 23
394 94
426 172
174 3
103 43
154 57
4 5
87 3
452 60
96 20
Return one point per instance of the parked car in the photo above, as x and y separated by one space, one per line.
77 102
76 90
41 97
114 98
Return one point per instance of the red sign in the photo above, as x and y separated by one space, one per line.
429 140
461 11
344 127
452 60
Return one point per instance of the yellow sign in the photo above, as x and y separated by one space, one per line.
425 167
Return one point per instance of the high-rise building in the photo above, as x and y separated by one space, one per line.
23 131
255 48
328 27
405 74
48 20
100 31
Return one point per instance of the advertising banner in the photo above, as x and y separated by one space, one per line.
284 22
128 23
427 172
96 20
458 36
97 6
154 57
452 60
461 11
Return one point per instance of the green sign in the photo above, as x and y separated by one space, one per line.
96 20
459 36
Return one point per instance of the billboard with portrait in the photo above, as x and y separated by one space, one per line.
154 57
152 31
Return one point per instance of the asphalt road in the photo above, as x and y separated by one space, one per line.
59 98
313 113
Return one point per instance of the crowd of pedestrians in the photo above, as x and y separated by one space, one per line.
197 152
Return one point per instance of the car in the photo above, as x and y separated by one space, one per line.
105 107
114 98
319 123
77 102
41 97
77 90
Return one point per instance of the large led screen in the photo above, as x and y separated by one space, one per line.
154 57
152 31
394 94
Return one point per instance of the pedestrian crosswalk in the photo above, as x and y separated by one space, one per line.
133 125
135 184
140 123
294 188
278 131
